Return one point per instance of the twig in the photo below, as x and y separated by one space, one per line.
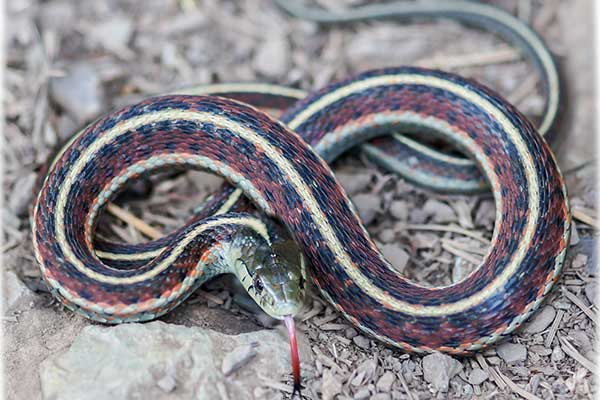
465 247
577 301
582 215
405 385
568 348
503 55
516 388
554 328
460 253
134 221
445 228
490 371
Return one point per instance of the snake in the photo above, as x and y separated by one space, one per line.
400 153
281 167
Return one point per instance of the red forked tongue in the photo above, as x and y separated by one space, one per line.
291 327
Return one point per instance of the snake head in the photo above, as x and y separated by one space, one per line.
275 277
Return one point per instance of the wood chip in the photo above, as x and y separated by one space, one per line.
134 221
516 388
568 348
579 303
554 328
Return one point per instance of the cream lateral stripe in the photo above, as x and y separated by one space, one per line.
512 132
147 255
431 153
233 198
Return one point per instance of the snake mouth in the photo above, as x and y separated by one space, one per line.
291 328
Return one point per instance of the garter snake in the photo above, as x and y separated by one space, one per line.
286 180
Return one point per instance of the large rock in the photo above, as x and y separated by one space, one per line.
160 361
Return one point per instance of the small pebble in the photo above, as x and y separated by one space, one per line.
80 92
395 255
354 183
439 368
330 385
362 342
399 210
350 333
439 212
557 354
237 358
512 352
167 383
368 205
384 384
541 320
477 376
362 394
387 235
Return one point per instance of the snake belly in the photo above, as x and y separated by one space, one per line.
287 180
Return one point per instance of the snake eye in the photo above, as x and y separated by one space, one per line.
258 285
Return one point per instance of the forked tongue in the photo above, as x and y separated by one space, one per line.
291 327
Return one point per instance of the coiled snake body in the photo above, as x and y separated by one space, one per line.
287 180
281 168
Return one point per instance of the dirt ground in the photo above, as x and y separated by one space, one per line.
69 61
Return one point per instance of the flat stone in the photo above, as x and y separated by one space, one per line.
167 383
113 33
22 193
399 210
541 320
362 342
14 290
132 360
354 183
591 292
362 394
368 205
395 255
477 376
439 212
272 57
512 352
384 384
330 385
79 92
438 369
